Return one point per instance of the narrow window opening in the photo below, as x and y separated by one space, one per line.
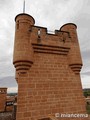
39 32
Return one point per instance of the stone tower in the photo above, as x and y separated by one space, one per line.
47 71
3 94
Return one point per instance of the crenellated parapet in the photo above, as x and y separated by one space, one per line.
63 42
41 36
45 42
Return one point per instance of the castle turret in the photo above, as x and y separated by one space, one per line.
22 60
74 56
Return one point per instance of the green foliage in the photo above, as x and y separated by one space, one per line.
12 94
88 109
86 92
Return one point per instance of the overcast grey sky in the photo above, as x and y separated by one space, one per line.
48 13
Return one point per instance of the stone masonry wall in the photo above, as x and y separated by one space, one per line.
6 116
47 71
3 93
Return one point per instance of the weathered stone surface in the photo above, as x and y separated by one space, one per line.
47 71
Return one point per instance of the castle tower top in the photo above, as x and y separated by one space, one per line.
68 26
24 16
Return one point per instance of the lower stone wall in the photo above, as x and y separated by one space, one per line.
9 115
6 116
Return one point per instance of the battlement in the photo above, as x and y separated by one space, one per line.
44 42
67 33
24 16
42 34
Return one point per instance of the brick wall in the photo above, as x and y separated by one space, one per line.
47 70
3 93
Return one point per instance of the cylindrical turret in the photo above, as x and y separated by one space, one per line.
23 52
74 56
71 28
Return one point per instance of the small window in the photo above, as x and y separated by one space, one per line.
39 33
